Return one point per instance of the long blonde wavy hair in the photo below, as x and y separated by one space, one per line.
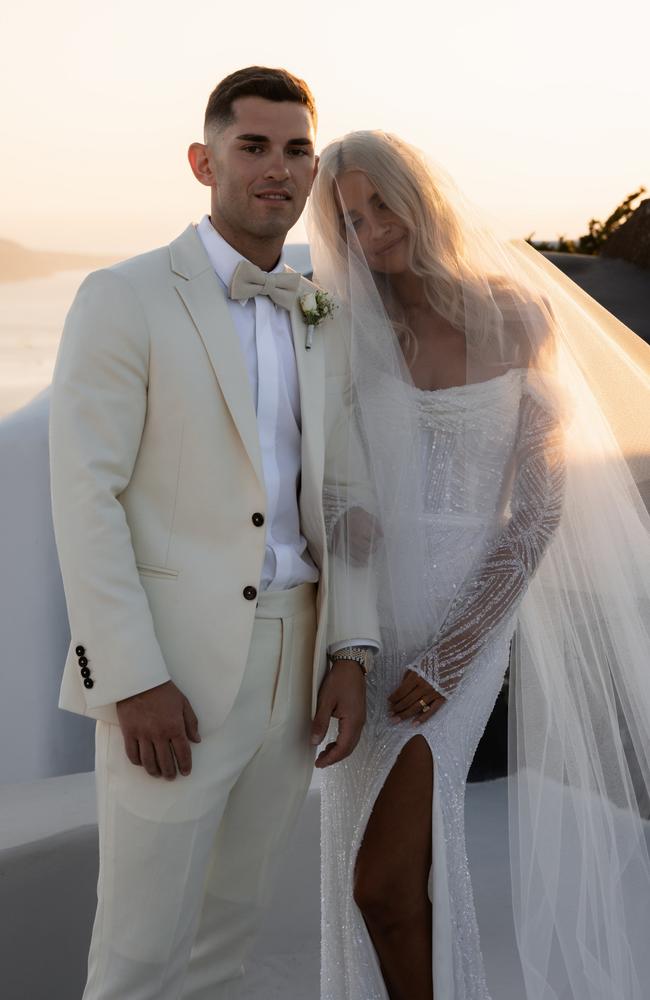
437 251
444 239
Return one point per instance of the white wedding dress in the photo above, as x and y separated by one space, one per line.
490 455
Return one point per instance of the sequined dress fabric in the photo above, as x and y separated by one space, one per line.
491 456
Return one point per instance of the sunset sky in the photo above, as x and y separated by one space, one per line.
539 111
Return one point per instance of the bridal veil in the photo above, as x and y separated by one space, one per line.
579 685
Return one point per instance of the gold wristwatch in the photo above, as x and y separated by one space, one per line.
360 654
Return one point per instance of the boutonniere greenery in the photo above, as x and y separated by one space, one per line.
316 306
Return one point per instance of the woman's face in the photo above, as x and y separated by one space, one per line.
382 234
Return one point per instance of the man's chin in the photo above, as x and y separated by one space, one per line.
272 228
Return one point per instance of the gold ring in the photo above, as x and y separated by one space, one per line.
425 707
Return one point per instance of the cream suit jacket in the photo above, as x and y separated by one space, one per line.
156 475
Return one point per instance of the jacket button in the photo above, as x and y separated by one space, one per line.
80 651
88 682
258 520
250 593
83 662
85 671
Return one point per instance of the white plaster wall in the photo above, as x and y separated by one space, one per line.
37 739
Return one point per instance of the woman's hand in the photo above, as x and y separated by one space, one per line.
409 699
356 536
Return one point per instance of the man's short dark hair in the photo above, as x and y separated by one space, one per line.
255 81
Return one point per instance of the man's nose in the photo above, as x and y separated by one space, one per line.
277 168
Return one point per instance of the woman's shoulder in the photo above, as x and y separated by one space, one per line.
527 317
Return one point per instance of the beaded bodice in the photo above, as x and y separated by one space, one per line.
493 482
468 433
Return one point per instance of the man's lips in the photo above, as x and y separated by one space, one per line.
278 195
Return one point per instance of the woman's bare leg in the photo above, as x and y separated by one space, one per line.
392 874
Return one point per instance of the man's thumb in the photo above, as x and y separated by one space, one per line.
320 724
191 723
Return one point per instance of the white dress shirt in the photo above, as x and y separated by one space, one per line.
264 332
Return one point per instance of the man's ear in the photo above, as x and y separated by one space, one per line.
201 163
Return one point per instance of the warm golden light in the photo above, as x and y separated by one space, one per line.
535 110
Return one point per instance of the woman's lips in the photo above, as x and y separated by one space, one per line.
387 249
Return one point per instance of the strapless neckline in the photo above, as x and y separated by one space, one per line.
468 386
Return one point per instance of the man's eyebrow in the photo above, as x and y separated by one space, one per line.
250 137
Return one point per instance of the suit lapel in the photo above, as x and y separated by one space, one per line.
311 381
205 301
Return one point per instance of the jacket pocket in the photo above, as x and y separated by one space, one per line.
160 571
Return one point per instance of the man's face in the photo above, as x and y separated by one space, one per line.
263 166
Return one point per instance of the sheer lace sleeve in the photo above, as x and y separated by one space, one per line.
493 591
350 527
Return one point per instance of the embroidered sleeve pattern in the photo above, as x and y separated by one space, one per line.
494 590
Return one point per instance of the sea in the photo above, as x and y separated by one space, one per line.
31 320
32 313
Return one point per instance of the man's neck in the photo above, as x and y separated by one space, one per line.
264 253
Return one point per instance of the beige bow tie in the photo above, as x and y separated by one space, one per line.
250 280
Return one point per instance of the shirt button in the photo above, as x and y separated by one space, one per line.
258 519
88 682
250 593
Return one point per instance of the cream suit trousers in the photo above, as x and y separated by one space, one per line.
186 866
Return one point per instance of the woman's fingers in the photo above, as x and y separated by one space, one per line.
406 706
408 701
409 684
415 708
422 717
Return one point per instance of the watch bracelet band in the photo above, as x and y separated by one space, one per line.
360 655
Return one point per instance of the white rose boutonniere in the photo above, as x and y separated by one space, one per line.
316 306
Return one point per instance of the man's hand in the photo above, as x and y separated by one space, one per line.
157 726
342 696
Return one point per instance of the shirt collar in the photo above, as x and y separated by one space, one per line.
222 256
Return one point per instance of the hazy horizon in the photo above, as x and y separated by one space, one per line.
107 252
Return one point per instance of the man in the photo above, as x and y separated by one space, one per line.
188 454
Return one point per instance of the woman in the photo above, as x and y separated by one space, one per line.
483 438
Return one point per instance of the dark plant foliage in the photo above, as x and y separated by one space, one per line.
598 234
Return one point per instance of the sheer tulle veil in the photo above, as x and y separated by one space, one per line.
579 693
